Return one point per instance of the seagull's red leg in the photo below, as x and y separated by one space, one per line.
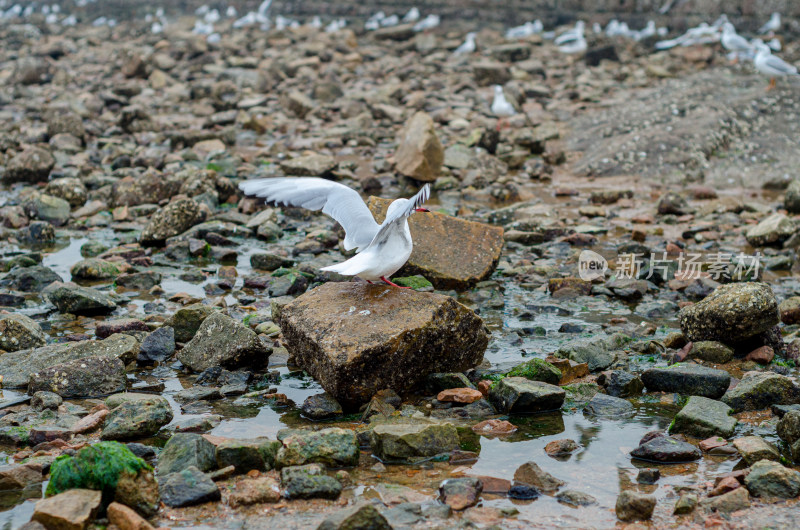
771 84
393 284
369 282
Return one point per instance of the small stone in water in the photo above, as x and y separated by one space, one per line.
648 476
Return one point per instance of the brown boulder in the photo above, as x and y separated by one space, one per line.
356 339
451 253
71 510
420 154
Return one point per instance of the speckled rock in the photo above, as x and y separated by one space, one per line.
172 220
771 231
221 341
357 339
87 378
137 418
771 479
760 390
333 447
19 332
16 367
31 165
732 313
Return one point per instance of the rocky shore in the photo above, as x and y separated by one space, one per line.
602 320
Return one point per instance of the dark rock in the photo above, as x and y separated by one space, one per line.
520 395
361 516
771 479
184 450
31 165
158 346
321 406
530 473
702 417
71 298
619 383
188 487
309 482
687 379
30 279
333 447
605 405
666 449
246 455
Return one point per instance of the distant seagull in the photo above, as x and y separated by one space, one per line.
571 34
374 22
770 65
390 21
381 249
468 46
429 22
411 16
772 25
733 42
525 30
501 106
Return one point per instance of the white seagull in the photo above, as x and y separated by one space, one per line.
773 66
733 42
381 249
468 46
772 25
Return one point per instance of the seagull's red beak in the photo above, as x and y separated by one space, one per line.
421 210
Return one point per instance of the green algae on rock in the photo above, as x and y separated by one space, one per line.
96 467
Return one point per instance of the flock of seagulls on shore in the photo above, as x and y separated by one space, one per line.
570 41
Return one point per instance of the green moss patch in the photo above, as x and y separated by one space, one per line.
97 467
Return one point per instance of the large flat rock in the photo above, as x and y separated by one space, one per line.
451 253
17 367
357 339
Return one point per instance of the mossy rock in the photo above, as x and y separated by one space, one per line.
418 283
96 467
537 370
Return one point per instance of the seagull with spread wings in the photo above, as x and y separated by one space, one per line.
381 249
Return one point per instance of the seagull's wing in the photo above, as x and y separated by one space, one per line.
779 65
340 202
413 203
407 209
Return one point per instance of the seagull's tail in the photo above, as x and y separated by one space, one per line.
351 267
